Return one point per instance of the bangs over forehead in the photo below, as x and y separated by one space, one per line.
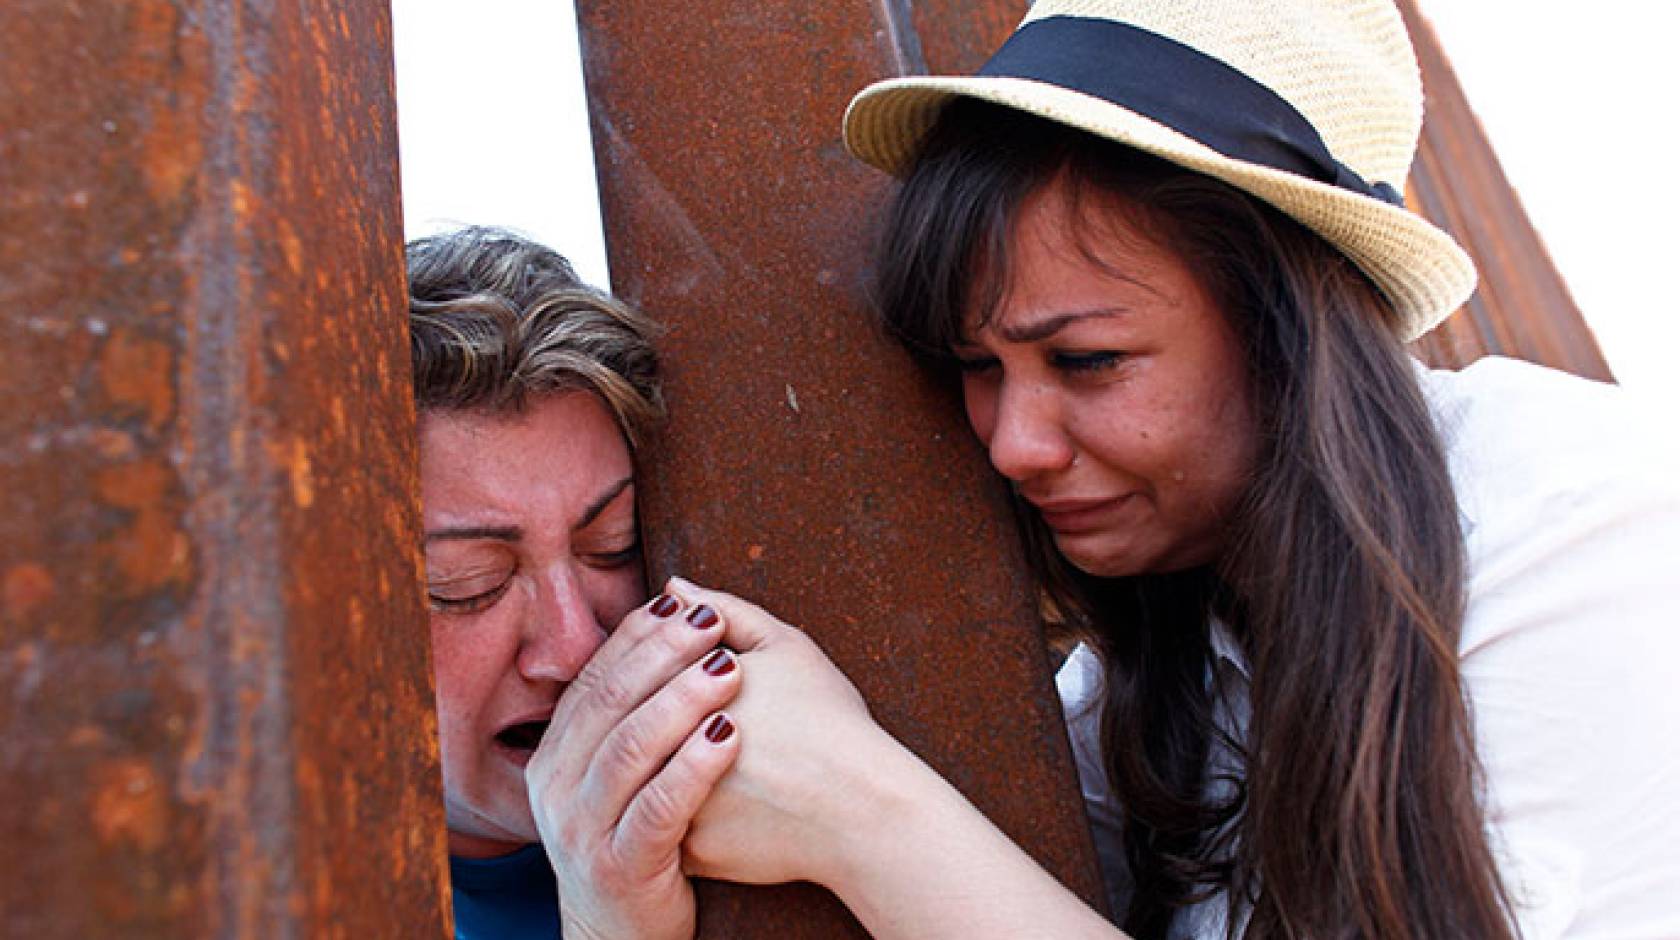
945 243
943 262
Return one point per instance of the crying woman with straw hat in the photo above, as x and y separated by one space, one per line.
1368 650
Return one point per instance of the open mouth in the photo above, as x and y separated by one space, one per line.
524 736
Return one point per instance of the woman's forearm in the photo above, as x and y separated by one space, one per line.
917 860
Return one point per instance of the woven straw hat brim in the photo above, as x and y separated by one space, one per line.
1418 267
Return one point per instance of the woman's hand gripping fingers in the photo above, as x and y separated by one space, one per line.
821 793
636 745
809 754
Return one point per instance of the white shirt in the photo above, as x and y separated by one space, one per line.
1570 499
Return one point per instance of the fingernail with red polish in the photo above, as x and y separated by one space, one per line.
719 728
720 663
702 617
663 606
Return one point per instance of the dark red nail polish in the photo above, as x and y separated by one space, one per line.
702 617
720 663
719 728
663 606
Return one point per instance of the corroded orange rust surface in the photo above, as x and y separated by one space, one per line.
807 464
215 699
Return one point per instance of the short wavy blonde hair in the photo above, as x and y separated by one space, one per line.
496 319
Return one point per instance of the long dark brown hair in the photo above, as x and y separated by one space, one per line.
1356 811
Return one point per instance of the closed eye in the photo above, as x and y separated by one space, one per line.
620 558
1087 361
470 603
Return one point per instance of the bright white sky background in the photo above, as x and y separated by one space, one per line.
1580 101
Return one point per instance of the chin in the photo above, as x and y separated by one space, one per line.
504 817
1122 564
1102 565
1128 568
1110 560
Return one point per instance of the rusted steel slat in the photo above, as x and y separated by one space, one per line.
807 464
1522 307
957 37
216 715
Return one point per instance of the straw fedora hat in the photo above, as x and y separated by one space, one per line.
1313 106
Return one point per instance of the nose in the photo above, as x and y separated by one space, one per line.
562 631
1023 429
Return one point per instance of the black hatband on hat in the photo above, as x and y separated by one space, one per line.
1181 88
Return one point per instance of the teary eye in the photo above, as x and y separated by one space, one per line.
1087 361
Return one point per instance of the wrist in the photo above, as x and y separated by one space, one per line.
916 859
882 799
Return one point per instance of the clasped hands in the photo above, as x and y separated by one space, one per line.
704 738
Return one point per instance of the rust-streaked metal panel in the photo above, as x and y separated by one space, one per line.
808 464
1522 307
216 714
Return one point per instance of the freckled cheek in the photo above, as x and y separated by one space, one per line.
1135 441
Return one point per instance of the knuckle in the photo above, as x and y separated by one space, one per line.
608 688
662 810
616 693
583 685
627 751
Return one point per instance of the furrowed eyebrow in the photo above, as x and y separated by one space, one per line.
603 501
514 533
1050 326
468 533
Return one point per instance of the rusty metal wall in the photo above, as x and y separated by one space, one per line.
1521 307
807 464
216 713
